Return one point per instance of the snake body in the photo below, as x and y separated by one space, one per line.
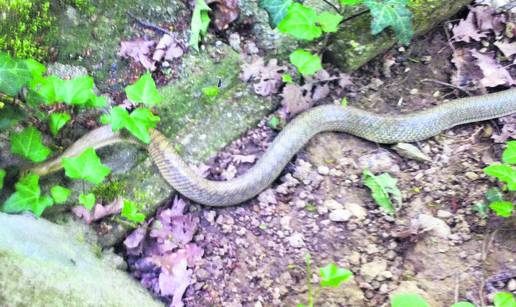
384 129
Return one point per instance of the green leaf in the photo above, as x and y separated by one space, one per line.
494 194
144 91
394 14
130 212
307 64
210 91
463 304
97 102
502 208
344 102
28 145
57 121
274 122
504 173
14 74
277 10
50 89
301 23
86 166
60 194
333 276
509 154
329 22
2 176
382 187
199 24
504 299
87 200
350 2
287 78
77 91
36 69
408 300
138 123
27 197
9 116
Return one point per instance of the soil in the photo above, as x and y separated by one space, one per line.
255 252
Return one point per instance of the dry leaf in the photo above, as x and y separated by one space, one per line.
466 30
507 48
294 100
494 73
138 50
225 12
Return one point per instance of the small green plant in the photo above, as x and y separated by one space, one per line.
505 173
504 299
73 96
415 300
331 276
383 188
210 91
130 211
304 23
200 22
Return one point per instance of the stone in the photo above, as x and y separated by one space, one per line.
296 240
443 214
323 170
372 269
354 45
379 162
44 264
410 151
511 285
433 225
356 210
340 215
471 175
332 204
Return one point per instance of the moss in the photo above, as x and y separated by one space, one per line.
24 24
107 192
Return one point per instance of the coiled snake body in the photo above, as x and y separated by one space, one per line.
385 129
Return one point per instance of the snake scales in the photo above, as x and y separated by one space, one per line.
385 129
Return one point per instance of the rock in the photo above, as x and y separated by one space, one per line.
471 175
511 285
45 264
372 269
412 287
410 151
323 170
210 216
332 204
437 227
443 214
356 210
354 45
340 215
379 162
296 240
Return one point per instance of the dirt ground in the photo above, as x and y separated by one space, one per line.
437 245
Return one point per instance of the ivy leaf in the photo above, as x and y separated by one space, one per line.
408 300
2 176
87 200
28 145
383 187
277 10
307 64
57 121
144 91
504 299
494 194
97 102
50 89
60 194
130 212
509 154
463 304
36 69
301 23
86 166
199 24
77 91
138 123
502 208
333 276
27 197
14 75
504 173
394 14
329 22
210 91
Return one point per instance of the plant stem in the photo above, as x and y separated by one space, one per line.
309 280
333 6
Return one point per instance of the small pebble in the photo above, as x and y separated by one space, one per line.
323 170
340 215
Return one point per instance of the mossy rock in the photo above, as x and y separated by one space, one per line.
45 264
354 45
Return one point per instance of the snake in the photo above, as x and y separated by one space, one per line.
378 128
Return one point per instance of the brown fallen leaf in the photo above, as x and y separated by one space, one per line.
269 76
467 73
466 30
494 73
294 100
139 50
225 12
507 48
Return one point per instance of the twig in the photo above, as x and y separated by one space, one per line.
360 13
148 24
457 287
333 6
507 7
449 85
